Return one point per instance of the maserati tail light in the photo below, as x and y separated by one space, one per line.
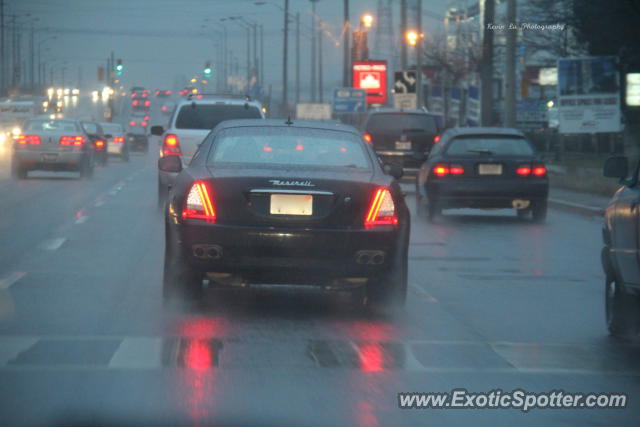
199 203
382 210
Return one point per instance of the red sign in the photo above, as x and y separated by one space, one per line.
372 77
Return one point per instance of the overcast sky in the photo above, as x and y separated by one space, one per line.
158 39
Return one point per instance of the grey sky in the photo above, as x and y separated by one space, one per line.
158 39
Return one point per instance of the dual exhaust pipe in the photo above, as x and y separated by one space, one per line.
370 257
207 251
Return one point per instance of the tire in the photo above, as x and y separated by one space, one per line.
17 170
434 210
178 280
621 310
389 292
539 211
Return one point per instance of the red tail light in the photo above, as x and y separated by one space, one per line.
199 203
119 139
524 171
382 210
76 141
539 170
143 124
436 139
171 145
133 95
28 140
132 123
367 137
167 92
99 145
441 170
146 117
135 102
144 94
456 170
164 108
147 103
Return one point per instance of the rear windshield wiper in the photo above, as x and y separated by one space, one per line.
481 151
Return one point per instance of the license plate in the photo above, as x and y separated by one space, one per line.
402 145
291 204
490 169
49 158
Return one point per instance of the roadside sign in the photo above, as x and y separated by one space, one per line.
405 100
309 111
349 100
404 81
589 95
372 77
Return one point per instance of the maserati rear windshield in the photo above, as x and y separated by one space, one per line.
299 147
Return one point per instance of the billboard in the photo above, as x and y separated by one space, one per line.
372 77
589 95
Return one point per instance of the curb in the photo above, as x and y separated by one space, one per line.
575 208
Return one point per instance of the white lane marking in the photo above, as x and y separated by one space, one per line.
12 346
82 219
11 279
52 244
140 352
418 290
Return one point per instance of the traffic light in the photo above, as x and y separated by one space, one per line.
207 69
119 67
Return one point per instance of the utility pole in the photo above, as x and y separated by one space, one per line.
346 66
403 32
313 50
297 57
510 67
419 101
320 88
285 58
32 70
486 68
261 56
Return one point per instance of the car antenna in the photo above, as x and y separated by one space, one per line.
288 122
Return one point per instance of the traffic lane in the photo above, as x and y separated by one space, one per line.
100 325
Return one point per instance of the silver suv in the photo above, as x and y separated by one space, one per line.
192 120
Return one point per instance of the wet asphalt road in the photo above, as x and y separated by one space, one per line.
493 303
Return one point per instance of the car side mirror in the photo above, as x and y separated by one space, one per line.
170 163
616 167
393 169
157 130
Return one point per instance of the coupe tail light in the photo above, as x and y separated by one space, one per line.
456 170
167 92
171 145
436 139
119 139
367 137
524 170
133 95
132 123
143 124
76 141
28 139
135 102
199 203
147 103
539 170
382 210
99 145
164 108
441 170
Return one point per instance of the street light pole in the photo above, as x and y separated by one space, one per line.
285 57
403 31
297 57
419 90
313 50
320 83
346 66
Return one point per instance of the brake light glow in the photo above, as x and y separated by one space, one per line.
164 108
539 171
147 103
441 170
436 139
76 141
367 137
100 145
267 149
143 123
524 171
199 203
134 94
28 139
456 170
146 117
167 92
171 145
382 210
135 102
118 139
132 123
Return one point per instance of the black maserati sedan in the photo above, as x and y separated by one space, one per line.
484 168
278 202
